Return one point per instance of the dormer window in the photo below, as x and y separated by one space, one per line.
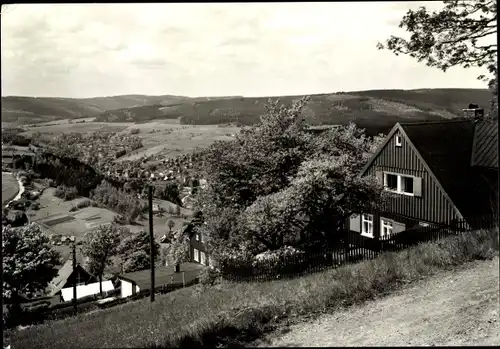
399 141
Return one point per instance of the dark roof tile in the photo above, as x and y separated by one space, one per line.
447 148
485 145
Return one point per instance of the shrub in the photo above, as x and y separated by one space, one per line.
84 203
135 131
59 192
120 153
119 219
210 276
66 193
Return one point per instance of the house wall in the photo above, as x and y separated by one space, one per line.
86 290
128 289
432 206
399 223
200 247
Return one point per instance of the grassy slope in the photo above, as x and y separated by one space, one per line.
376 108
188 317
10 187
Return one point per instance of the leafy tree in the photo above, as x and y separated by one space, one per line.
454 36
170 225
179 249
177 210
277 184
100 245
28 261
134 251
171 192
261 160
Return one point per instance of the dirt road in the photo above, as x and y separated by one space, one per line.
454 308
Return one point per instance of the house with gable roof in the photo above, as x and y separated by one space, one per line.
86 283
439 173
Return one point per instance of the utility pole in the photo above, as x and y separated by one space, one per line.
74 278
152 243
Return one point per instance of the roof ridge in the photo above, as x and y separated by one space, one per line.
435 122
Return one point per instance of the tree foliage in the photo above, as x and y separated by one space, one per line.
457 35
28 260
134 252
99 246
118 200
277 184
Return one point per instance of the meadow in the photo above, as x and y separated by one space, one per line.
235 313
56 217
10 187
160 137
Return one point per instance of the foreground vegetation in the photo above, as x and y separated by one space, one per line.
230 312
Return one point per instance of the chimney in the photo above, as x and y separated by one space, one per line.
473 112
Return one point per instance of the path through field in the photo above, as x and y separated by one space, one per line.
454 308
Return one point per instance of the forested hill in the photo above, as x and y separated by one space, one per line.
366 108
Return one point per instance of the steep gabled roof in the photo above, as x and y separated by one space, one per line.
485 145
445 149
63 274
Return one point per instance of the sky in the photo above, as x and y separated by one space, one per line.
210 49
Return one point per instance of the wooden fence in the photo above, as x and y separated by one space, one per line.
352 248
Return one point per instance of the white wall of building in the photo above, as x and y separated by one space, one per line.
86 290
127 288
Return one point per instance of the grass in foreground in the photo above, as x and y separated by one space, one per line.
231 313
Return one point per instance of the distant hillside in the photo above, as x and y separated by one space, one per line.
375 109
31 110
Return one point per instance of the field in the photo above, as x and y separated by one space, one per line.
10 187
55 216
159 137
229 312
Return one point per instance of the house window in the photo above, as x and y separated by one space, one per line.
399 141
386 226
367 225
196 257
399 183
197 237
407 185
391 181
203 258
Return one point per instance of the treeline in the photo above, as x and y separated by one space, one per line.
68 172
12 136
118 200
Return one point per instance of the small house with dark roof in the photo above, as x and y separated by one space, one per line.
439 172
86 283
140 281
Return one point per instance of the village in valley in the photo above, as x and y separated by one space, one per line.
217 221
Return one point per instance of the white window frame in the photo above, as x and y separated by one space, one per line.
399 141
203 258
386 224
196 256
197 237
368 218
399 189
